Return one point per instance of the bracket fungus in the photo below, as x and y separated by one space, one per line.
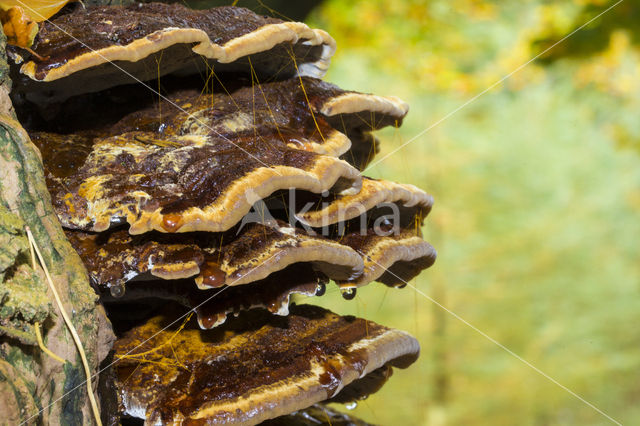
251 369
225 194
410 203
393 259
108 46
178 183
213 259
213 306
305 112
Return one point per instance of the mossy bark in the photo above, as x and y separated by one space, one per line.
33 386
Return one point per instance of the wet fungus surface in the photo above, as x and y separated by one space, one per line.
315 415
204 209
178 183
254 368
214 306
201 166
107 46
213 259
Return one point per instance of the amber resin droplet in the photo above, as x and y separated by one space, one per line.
212 275
171 222
210 321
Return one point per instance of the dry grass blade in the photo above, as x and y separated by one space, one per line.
44 349
72 329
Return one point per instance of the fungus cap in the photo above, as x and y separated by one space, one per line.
392 259
278 108
177 183
252 368
320 114
234 258
411 202
142 42
213 306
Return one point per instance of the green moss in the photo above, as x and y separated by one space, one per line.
13 242
23 295
72 401
17 395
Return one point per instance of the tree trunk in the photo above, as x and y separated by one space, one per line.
35 387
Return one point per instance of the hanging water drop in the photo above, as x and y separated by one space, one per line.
351 405
117 290
348 293
321 288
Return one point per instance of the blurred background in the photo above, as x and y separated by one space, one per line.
537 214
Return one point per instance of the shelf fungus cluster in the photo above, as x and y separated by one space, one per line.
205 175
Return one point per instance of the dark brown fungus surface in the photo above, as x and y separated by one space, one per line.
146 41
237 257
356 115
272 293
392 259
353 258
277 108
181 183
237 108
410 203
252 368
361 389
317 414
364 147
213 306
321 118
176 183
349 110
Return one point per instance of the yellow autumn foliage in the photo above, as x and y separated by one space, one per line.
38 10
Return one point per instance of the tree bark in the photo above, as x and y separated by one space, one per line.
34 387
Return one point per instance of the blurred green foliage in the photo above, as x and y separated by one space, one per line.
537 214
